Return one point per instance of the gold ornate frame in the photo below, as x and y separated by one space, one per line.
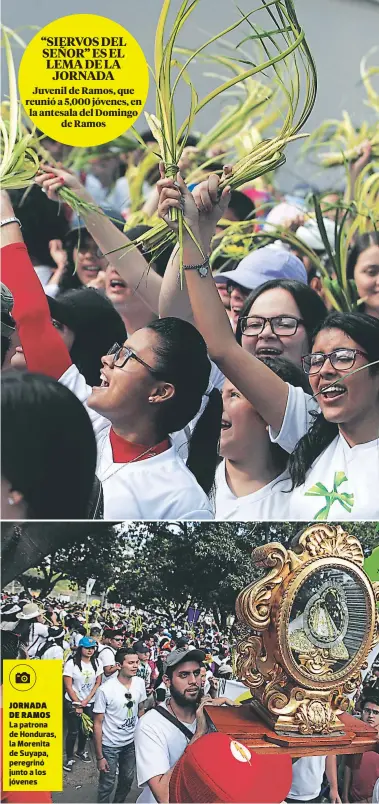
291 698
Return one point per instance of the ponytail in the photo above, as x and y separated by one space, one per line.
203 446
311 445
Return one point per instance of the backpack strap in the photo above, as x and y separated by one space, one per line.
162 711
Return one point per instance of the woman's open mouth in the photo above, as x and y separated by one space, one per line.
268 351
225 425
117 284
332 392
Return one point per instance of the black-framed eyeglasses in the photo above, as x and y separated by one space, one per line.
280 324
129 700
121 355
340 359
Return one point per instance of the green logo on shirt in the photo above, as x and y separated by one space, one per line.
344 498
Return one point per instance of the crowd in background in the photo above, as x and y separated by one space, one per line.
234 390
102 649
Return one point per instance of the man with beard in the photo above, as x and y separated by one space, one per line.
163 734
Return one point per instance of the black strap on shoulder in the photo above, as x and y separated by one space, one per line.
187 733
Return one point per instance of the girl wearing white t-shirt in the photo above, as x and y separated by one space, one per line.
82 677
335 470
151 386
252 481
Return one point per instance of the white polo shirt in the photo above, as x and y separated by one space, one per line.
268 503
342 483
119 720
157 488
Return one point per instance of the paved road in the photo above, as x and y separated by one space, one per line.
81 784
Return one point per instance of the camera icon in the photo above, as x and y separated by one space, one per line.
22 678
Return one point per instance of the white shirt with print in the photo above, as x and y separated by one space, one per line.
342 483
268 503
119 721
159 744
157 488
83 677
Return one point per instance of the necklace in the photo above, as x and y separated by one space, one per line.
149 451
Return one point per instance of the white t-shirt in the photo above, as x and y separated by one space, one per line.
119 721
342 483
83 678
307 775
106 657
157 488
297 418
55 652
159 744
75 639
38 634
268 503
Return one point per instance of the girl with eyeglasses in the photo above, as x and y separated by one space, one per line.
150 400
335 466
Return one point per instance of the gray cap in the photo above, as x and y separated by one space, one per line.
183 655
8 325
264 264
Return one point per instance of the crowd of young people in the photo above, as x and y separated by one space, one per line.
237 395
135 685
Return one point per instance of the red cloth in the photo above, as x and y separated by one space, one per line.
217 769
124 451
44 349
364 777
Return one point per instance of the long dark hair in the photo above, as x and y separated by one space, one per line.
51 464
311 306
364 330
183 360
96 326
77 659
361 244
25 630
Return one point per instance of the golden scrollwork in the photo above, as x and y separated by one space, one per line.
318 661
330 540
314 717
250 650
308 626
253 604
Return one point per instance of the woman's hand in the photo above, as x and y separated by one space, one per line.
176 195
210 203
334 797
58 253
52 179
6 205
